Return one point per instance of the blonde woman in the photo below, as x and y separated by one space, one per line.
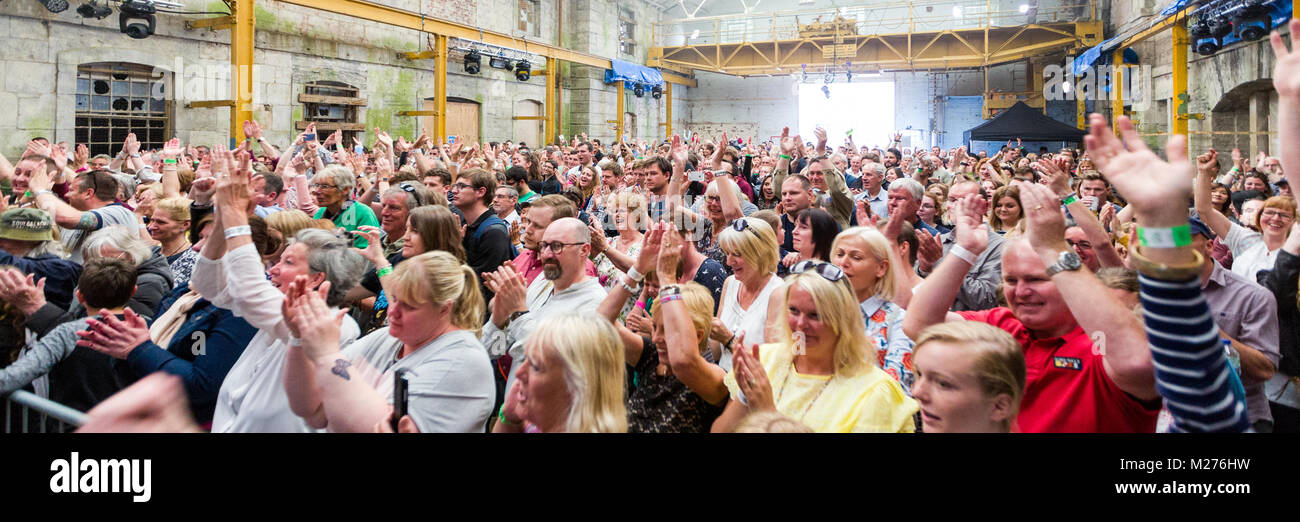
613 258
282 226
970 377
1251 251
863 254
431 337
571 382
817 370
170 226
751 252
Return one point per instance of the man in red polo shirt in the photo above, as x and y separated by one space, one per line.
1055 310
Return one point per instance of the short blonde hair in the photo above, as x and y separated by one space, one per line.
878 247
699 305
589 350
757 244
999 362
638 214
177 208
438 277
839 310
288 222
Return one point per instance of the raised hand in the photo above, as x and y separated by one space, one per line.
155 404
172 149
1153 186
81 155
968 219
670 252
131 145
788 144
317 323
1286 73
820 133
1208 164
679 151
23 291
751 377
373 252
1044 223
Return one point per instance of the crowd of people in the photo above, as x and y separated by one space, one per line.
417 286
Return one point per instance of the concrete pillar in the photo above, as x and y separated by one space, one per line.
1259 116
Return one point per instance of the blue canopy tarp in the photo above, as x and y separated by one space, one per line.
633 74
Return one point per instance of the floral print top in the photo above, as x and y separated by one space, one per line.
884 321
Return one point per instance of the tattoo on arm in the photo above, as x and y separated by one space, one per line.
88 221
341 369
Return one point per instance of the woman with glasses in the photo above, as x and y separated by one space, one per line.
751 253
332 190
1251 251
721 206
815 369
614 256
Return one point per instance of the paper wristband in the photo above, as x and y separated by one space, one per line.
965 255
1067 200
244 230
169 161
1178 236
384 271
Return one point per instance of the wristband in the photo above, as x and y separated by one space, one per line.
502 417
786 157
39 193
670 298
963 254
630 289
384 271
244 230
636 276
1178 236
169 161
1067 200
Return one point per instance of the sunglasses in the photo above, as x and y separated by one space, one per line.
741 225
828 271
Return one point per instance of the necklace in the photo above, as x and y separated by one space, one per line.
810 403
183 248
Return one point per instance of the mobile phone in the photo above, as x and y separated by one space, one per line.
451 139
400 397
309 137
359 149
695 175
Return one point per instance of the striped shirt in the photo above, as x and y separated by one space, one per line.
1191 369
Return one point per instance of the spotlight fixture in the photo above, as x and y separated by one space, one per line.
805 71
848 72
1251 21
638 90
141 10
1207 35
828 78
55 6
93 10
500 62
473 62
523 70
657 92
826 89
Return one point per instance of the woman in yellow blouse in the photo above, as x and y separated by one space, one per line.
818 372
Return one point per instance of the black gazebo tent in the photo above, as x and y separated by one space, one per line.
1026 123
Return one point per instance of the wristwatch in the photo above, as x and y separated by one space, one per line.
1068 260
514 316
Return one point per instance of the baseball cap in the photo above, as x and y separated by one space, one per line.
1199 227
26 224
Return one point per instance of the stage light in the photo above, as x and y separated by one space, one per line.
500 62
142 10
1251 22
638 90
523 70
828 78
55 6
826 89
657 92
473 62
93 10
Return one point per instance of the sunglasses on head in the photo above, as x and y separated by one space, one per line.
828 271
740 225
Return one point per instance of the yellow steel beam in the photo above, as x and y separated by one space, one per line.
440 89
668 110
422 55
1180 108
618 121
1172 21
550 109
1080 109
1117 87
417 113
241 62
207 104
530 118
216 24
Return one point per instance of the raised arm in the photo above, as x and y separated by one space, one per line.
931 303
1286 79
701 376
1207 166
1059 181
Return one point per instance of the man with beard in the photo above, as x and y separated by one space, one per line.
566 289
532 227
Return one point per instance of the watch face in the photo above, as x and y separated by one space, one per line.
1070 260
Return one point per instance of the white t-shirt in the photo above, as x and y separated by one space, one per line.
751 321
1249 252
109 215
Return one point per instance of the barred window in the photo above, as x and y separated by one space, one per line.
115 99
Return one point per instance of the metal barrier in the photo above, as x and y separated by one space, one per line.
49 416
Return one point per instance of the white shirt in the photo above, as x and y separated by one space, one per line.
252 398
107 215
751 321
543 301
1249 252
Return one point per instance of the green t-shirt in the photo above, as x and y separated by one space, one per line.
354 216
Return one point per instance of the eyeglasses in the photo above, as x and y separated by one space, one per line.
322 186
1275 213
461 186
554 246
828 271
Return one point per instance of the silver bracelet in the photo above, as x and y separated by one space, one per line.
244 230
630 289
